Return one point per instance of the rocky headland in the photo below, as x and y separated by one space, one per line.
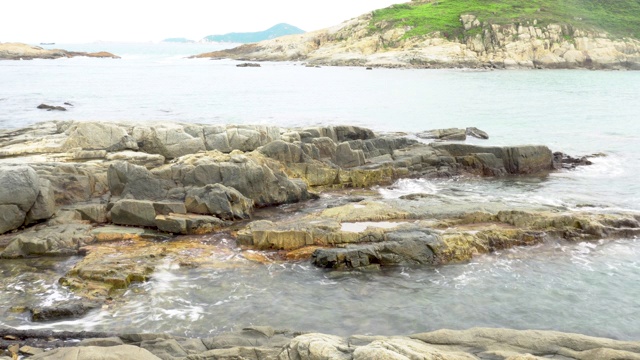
124 196
473 42
19 51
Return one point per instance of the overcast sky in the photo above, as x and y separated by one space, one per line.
65 21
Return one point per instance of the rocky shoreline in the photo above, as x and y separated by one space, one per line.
120 195
266 343
526 45
19 51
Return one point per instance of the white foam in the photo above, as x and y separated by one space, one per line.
407 187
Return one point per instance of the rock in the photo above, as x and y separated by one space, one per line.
128 180
45 204
164 348
99 136
30 350
102 342
526 159
166 208
51 107
346 157
50 241
133 212
219 200
248 65
477 133
444 134
188 223
70 309
316 346
95 352
168 140
96 213
398 248
11 217
149 161
20 186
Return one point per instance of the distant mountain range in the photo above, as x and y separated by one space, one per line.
251 37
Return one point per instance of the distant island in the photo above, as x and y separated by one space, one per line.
20 51
501 34
180 40
250 37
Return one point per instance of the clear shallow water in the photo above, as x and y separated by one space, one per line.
587 288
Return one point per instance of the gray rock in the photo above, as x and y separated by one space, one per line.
96 213
51 241
166 208
348 158
133 212
99 136
45 204
149 161
477 133
224 202
525 159
262 181
188 223
102 342
97 353
170 140
283 151
20 186
444 134
399 248
166 349
70 309
128 180
11 217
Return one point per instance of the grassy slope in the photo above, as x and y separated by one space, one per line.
620 18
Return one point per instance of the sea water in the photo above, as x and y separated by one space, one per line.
589 288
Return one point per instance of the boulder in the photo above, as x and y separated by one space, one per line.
11 217
520 160
346 157
188 223
20 186
477 133
134 181
216 199
168 140
99 136
45 204
70 309
50 241
133 212
51 107
399 248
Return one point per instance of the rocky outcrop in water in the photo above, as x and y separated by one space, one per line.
263 342
19 51
485 45
118 194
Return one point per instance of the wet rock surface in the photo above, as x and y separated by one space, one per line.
263 342
130 199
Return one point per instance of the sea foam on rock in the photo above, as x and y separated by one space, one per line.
70 182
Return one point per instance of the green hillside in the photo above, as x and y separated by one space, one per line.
250 37
620 18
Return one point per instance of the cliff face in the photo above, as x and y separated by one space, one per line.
484 45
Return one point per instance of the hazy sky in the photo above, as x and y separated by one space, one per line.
60 21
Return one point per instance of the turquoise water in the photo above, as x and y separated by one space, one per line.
590 288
